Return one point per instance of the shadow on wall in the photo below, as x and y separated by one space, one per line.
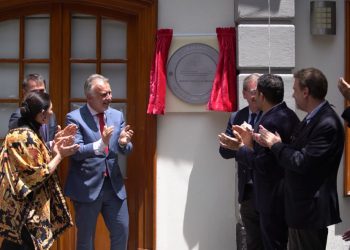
262 5
209 220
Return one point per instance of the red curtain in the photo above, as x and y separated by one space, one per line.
224 92
156 103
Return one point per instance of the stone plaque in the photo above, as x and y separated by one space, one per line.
191 71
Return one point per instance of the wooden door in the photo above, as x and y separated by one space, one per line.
68 40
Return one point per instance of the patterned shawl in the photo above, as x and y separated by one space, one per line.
29 195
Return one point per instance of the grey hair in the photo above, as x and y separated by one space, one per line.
251 77
89 81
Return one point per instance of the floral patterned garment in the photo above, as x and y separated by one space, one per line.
29 195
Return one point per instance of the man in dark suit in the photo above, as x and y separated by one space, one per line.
94 182
249 215
311 163
267 172
36 83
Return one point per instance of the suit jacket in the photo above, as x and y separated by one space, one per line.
237 118
346 115
311 165
86 169
50 129
268 173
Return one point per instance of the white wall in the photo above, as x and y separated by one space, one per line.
195 186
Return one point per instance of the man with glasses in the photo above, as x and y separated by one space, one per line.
250 217
36 83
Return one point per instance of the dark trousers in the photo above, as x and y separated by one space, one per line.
115 215
27 242
274 231
307 239
251 222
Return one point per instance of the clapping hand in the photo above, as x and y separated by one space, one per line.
266 138
344 88
233 143
107 134
125 135
245 132
65 146
71 129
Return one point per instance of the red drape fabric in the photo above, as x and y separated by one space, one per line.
224 92
156 103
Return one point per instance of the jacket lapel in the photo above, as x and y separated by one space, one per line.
90 121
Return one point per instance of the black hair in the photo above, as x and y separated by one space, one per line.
271 86
32 105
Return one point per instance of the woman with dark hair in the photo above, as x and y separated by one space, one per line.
33 211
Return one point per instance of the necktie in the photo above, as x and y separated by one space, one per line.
252 119
249 171
101 121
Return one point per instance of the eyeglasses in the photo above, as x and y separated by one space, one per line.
251 91
38 90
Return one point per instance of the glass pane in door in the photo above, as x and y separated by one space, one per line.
83 33
9 37
37 36
113 39
6 109
79 73
9 80
116 73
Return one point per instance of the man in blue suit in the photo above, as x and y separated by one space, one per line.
94 182
36 83
249 215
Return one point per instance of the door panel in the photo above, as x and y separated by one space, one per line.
115 38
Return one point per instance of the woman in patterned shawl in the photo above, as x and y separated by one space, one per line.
33 211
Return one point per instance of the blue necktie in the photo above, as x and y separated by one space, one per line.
252 119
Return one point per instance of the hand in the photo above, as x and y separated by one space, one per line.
107 134
233 143
265 138
344 88
245 132
65 146
71 129
125 135
346 235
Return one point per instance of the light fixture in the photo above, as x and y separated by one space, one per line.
323 17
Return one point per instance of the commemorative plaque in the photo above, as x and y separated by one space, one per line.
191 71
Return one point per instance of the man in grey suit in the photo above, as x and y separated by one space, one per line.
94 182
36 83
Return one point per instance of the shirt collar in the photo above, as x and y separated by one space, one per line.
92 111
314 112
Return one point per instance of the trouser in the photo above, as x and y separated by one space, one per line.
251 222
114 212
307 239
274 231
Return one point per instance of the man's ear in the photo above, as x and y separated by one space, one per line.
306 91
